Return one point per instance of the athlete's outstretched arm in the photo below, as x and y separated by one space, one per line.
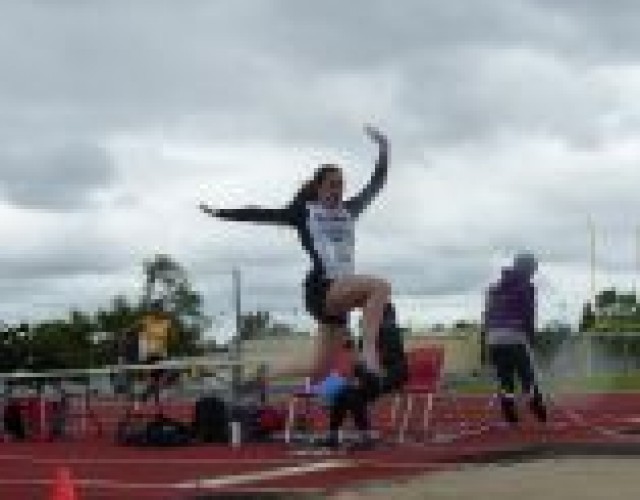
359 202
258 215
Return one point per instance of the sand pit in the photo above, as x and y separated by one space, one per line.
566 478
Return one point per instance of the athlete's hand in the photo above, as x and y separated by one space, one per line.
207 209
375 135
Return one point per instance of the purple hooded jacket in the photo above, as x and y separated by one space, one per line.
511 305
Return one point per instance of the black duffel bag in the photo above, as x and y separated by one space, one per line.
160 432
211 420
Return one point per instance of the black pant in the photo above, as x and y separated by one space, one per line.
316 285
511 361
350 400
13 421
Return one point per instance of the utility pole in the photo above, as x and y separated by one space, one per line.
592 260
235 356
637 260
236 345
587 339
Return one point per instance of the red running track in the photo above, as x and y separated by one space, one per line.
103 470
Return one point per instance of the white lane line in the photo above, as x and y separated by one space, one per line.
579 420
231 480
238 479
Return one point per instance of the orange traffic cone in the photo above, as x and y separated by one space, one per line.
63 488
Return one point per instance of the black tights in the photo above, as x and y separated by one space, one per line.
350 400
511 361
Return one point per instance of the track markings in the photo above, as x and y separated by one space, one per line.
236 481
239 479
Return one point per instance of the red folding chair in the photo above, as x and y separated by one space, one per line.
425 366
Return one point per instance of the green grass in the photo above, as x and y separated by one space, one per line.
601 382
605 382
473 386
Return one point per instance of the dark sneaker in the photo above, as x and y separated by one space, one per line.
363 444
538 408
509 411
331 441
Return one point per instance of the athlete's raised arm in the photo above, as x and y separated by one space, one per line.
361 201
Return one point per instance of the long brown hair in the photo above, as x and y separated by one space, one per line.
309 190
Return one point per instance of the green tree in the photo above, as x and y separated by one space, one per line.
94 339
617 315
606 298
166 281
111 327
549 338
588 319
254 324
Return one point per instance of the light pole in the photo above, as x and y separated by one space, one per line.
587 339
637 259
236 345
592 258
235 356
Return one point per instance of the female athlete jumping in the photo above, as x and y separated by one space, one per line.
325 225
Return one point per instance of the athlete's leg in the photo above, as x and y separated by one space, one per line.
329 341
350 400
525 368
366 292
360 410
503 361
338 410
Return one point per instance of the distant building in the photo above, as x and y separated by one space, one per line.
461 345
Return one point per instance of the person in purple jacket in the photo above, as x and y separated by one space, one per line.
509 328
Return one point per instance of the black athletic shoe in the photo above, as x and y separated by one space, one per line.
363 444
509 411
331 441
538 408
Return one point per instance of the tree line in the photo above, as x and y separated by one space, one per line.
92 339
98 338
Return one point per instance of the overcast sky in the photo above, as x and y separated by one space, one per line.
510 123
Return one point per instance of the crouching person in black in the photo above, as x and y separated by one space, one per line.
347 392
509 327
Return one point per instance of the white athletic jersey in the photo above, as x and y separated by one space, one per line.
332 233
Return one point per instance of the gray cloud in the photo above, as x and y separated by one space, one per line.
271 67
607 33
510 123
56 177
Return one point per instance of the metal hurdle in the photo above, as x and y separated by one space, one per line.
39 391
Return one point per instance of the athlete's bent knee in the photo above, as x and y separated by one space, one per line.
382 288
